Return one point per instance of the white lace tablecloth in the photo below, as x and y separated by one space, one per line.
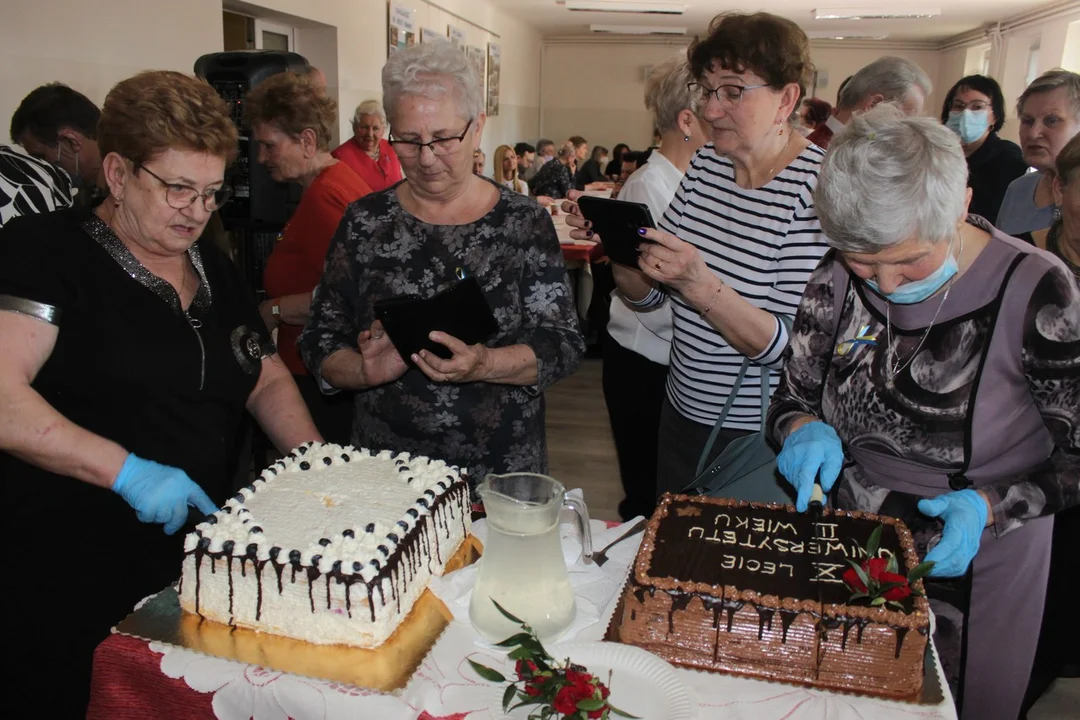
444 687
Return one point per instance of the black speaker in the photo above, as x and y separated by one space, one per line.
259 204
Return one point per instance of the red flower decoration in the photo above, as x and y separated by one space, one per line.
525 669
875 570
567 699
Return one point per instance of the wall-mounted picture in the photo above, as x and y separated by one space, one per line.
402 29
457 37
493 69
478 60
429 36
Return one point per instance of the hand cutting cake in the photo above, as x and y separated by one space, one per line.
759 590
328 545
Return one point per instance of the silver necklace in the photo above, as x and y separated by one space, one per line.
891 359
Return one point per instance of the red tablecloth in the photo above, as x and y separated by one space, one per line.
128 683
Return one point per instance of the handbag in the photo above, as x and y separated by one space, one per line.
746 469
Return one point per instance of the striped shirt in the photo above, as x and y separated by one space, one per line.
29 186
763 243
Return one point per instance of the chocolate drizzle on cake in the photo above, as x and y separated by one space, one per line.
411 550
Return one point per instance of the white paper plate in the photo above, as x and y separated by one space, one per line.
641 683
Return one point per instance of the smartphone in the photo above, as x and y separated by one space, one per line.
617 223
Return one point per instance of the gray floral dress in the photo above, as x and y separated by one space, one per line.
983 394
382 251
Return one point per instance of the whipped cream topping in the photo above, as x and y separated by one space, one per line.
314 496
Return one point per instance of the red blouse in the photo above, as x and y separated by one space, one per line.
379 174
296 264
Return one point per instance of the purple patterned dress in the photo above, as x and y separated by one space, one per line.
990 399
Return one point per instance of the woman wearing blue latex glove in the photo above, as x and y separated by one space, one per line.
946 357
811 454
123 336
159 493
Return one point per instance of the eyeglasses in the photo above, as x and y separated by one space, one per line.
438 146
974 106
181 197
726 95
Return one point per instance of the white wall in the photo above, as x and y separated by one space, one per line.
596 89
93 47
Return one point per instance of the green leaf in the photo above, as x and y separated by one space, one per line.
520 654
893 567
508 696
874 542
622 713
547 712
896 606
519 639
542 661
487 673
878 601
507 615
860 572
919 571
886 587
591 704
858 596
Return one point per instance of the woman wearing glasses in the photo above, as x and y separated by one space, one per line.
128 354
481 407
292 119
974 109
738 241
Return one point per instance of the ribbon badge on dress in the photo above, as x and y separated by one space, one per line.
861 338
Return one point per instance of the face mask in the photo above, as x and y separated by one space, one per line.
76 179
969 124
918 290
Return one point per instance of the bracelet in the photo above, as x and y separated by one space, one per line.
712 300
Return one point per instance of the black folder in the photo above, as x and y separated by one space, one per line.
460 310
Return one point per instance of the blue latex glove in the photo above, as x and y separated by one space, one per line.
964 513
812 451
159 493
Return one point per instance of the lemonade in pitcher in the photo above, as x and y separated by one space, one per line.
523 567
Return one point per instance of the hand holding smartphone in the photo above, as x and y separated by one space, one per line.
617 223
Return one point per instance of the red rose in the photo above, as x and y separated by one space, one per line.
533 689
604 692
875 569
566 700
897 593
578 678
525 669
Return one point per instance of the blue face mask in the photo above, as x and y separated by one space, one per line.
970 125
918 290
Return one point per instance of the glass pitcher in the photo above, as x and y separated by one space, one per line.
523 567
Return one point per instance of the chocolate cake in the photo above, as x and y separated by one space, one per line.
756 590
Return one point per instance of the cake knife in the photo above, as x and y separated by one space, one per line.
817 503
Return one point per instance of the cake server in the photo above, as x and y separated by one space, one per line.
600 556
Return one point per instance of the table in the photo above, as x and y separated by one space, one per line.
578 255
134 679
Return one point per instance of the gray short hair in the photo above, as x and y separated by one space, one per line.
666 94
369 107
424 70
891 77
566 150
1052 80
888 177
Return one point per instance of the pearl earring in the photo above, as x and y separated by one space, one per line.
686 138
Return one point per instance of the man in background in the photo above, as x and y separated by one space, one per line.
888 79
545 152
526 154
57 124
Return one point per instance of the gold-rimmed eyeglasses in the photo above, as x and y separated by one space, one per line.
181 197
438 146
726 95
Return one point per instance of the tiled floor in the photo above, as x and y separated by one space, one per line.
582 455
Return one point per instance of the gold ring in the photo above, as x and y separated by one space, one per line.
659 263
446 377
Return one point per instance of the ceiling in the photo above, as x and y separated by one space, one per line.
957 16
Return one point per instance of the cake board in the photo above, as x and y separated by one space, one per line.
931 693
386 668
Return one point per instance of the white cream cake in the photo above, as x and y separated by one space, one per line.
330 545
